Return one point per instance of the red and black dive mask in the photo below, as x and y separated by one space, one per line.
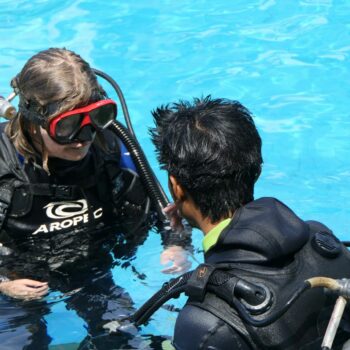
77 125
66 127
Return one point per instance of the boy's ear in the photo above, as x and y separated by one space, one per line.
176 189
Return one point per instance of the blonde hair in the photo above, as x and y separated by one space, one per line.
53 81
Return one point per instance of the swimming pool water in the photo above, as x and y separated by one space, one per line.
287 61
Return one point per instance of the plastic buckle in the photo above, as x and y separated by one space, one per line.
3 209
63 192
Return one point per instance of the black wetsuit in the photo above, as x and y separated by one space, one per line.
267 243
62 228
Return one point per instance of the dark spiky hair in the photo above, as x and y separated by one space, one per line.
211 146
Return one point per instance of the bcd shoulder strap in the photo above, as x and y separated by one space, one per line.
11 173
6 193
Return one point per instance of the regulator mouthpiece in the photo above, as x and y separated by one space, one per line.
7 111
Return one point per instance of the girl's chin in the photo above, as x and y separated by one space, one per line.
75 154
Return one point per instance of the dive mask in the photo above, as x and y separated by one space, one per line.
66 127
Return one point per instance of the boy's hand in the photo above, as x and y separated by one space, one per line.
180 258
172 213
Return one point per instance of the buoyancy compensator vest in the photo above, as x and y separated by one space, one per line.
74 213
304 324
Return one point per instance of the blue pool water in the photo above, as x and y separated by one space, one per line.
287 61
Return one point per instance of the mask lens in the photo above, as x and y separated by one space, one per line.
103 115
67 126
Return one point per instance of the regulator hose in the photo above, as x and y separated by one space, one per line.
170 290
129 139
173 289
157 195
176 286
119 92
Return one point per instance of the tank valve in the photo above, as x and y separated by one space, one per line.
6 109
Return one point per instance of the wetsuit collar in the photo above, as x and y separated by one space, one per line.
212 236
263 231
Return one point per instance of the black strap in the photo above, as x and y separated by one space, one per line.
59 191
197 283
6 193
28 109
54 191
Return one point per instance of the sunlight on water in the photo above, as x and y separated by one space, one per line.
287 61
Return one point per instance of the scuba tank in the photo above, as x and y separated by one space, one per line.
7 111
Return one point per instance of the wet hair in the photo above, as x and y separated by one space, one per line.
51 82
213 149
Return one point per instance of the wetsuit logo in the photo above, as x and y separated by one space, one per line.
70 214
57 210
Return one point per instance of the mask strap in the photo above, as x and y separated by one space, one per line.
26 108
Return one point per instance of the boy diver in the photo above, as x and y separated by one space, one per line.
212 153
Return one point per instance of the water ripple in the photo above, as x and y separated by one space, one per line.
287 61
285 29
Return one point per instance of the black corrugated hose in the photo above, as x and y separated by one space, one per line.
128 137
144 170
171 289
176 286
